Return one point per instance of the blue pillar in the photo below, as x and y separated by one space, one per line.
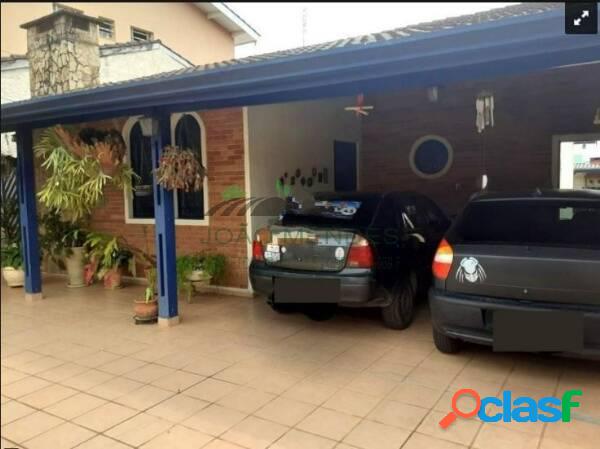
27 211
164 213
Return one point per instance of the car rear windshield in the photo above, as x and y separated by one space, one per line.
531 222
333 211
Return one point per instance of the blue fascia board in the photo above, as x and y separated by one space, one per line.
503 39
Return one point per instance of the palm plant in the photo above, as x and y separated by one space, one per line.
108 252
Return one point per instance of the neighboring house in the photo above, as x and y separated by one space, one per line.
201 32
587 175
118 62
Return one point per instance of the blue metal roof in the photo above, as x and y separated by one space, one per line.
530 38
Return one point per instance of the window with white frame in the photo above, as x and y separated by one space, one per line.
139 35
106 28
187 132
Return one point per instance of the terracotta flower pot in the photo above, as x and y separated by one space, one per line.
112 278
14 277
145 310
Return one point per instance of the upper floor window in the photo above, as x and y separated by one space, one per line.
57 6
139 35
106 28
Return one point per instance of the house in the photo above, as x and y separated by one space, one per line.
483 100
212 30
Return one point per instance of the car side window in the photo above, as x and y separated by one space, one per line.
433 216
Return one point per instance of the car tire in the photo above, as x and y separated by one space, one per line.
445 344
401 310
320 312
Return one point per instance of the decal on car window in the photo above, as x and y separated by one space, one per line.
471 270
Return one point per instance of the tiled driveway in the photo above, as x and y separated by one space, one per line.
77 373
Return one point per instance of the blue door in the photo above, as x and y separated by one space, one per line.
344 166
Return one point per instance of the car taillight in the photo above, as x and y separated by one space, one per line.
257 251
442 261
263 236
360 254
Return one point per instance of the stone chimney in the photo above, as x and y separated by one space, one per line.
63 52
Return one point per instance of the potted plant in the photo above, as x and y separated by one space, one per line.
12 265
78 170
109 258
146 310
64 242
214 265
180 169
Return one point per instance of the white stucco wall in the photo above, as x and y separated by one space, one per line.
284 137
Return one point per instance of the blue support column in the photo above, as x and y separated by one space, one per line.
27 211
164 213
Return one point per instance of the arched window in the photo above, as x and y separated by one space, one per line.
141 163
188 134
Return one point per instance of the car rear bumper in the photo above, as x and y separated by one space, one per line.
468 317
357 287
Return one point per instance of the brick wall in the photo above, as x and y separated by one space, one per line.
529 110
224 234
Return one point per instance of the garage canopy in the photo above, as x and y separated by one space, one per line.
505 41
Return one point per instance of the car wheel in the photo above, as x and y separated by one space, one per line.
401 311
445 344
320 312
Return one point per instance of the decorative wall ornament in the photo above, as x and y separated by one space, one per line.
360 108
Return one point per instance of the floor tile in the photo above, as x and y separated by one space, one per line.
352 402
97 359
285 411
177 408
420 441
13 410
139 429
8 376
296 439
121 366
372 435
149 373
24 386
254 433
144 398
47 396
211 390
206 366
328 423
29 426
214 419
87 380
397 414
75 406
115 388
178 381
104 417
221 444
415 394
178 437
462 431
62 372
311 392
65 436
102 442
492 436
246 399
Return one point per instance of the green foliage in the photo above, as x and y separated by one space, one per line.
151 288
214 265
233 192
58 236
11 256
283 190
109 252
76 180
9 216
185 265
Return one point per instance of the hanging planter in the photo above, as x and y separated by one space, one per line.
179 169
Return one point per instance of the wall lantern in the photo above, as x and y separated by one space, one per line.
149 126
484 105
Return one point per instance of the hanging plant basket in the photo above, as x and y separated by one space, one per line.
180 169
